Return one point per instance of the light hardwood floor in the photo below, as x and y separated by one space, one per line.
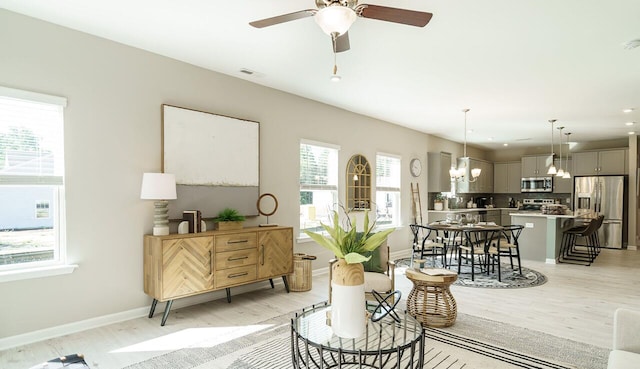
576 303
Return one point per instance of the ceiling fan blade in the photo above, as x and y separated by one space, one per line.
342 43
396 15
283 18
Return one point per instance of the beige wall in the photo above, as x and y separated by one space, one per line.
112 136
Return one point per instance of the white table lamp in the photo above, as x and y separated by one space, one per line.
159 187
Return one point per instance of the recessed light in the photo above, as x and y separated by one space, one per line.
628 110
632 133
505 144
629 123
490 138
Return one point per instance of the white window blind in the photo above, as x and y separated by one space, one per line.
31 140
387 173
318 166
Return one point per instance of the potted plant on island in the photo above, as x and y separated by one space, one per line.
229 219
352 248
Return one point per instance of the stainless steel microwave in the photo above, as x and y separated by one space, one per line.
537 184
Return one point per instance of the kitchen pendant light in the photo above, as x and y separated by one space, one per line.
560 172
552 168
459 173
566 172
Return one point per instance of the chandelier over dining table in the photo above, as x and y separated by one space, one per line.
459 174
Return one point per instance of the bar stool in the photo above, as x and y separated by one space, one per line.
506 245
569 251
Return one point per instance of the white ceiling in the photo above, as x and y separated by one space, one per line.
515 64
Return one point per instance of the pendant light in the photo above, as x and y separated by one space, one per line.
566 172
552 168
560 172
459 173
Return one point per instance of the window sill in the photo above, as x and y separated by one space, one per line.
30 273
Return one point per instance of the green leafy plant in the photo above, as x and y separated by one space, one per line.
229 215
439 197
348 244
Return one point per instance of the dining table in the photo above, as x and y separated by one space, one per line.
472 238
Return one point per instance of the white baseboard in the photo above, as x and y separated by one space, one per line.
632 247
61 330
551 261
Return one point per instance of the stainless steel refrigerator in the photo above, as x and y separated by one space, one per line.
606 196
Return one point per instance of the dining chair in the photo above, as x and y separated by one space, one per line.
506 245
428 242
475 244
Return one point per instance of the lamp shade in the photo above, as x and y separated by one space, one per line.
158 186
335 19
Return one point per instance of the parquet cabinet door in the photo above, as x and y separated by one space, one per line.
187 266
275 253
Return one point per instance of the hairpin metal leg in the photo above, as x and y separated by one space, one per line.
286 283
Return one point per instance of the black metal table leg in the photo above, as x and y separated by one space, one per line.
286 283
228 294
167 307
153 308
271 281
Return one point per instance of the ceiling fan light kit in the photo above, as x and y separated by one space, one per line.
335 19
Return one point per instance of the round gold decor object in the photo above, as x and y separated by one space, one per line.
267 204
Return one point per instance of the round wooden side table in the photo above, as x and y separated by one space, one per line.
430 300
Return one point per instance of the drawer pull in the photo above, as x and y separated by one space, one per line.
237 241
237 275
238 258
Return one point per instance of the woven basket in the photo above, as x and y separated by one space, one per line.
300 280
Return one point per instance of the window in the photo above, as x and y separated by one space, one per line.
387 190
318 184
31 179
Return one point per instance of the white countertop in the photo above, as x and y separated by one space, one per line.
572 214
469 210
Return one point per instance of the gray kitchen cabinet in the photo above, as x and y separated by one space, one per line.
438 165
601 162
483 184
535 166
506 177
563 185
494 216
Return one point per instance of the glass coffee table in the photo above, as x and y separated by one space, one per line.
386 343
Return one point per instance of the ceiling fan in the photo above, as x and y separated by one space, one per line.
336 16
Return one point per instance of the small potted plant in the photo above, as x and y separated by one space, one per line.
229 219
438 202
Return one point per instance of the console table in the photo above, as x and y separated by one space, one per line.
182 265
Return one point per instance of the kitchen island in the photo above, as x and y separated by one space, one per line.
541 237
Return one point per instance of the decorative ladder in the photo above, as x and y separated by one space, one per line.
416 206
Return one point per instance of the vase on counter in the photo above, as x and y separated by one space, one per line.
446 204
437 206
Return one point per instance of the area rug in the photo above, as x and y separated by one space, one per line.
471 343
510 278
